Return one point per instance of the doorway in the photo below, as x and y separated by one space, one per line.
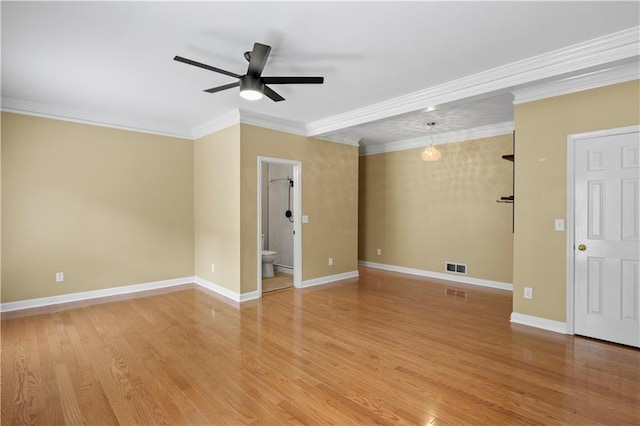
279 254
603 245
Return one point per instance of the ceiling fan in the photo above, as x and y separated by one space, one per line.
252 84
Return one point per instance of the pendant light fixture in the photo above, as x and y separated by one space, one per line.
430 153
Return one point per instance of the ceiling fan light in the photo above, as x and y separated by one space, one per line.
251 94
251 88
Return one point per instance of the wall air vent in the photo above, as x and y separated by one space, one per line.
456 268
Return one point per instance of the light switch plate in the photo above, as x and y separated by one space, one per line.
305 218
559 225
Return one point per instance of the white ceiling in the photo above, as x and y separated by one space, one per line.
112 62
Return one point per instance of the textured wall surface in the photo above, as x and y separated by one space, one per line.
423 214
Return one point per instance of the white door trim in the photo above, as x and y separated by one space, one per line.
297 219
572 139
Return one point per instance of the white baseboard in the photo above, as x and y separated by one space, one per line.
216 288
115 291
284 269
94 294
329 279
439 275
543 323
252 295
127 289
223 291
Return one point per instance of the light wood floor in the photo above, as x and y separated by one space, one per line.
385 348
279 281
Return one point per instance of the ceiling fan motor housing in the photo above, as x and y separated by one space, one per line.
250 82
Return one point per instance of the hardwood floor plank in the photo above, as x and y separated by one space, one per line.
385 348
279 281
29 398
8 338
68 398
94 405
50 390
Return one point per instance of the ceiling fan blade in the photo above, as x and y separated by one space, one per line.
205 66
225 87
293 80
271 94
259 57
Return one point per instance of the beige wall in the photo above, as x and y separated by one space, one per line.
423 214
542 128
217 207
329 198
0 207
107 207
110 207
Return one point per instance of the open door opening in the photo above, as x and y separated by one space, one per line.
279 232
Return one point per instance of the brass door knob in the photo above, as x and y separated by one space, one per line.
582 247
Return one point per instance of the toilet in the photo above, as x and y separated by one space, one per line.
268 257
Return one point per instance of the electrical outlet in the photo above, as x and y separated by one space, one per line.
59 277
379 252
528 293
331 261
213 267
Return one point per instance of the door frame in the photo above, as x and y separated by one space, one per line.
297 219
572 140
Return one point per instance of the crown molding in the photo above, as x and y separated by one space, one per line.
599 52
441 138
587 81
345 140
228 119
613 47
273 123
20 106
238 116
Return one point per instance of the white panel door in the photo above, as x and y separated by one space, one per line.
607 238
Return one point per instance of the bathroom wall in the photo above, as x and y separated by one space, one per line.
280 227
